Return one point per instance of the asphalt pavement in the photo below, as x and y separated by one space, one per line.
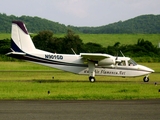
80 110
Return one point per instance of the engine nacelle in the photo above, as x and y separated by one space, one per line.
106 61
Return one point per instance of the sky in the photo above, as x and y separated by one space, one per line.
81 12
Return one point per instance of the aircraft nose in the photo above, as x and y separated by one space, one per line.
146 68
151 70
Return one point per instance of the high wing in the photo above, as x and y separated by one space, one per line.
98 58
95 56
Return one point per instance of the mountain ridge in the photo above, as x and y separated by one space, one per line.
145 24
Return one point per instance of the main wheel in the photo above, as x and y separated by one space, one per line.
146 79
92 79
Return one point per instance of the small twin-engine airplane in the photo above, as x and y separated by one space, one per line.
85 63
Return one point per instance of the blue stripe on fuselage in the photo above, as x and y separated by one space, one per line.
43 60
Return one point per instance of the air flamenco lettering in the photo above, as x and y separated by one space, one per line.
112 72
58 57
107 72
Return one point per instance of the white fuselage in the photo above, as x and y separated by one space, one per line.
78 65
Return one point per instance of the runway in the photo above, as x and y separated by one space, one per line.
80 110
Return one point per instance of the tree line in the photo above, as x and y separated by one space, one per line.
45 40
142 24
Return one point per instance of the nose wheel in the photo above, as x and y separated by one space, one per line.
146 79
92 79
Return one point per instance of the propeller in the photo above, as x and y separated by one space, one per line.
116 59
116 56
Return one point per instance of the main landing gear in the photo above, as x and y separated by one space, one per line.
146 79
92 79
91 66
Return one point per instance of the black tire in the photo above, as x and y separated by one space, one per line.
92 79
146 79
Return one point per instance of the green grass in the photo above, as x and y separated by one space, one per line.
77 91
5 35
31 71
111 39
28 81
108 39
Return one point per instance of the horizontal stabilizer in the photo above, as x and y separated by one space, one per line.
18 55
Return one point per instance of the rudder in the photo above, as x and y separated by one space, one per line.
20 38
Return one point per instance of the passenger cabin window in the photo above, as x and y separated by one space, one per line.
122 63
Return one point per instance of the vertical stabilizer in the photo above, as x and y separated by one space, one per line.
20 38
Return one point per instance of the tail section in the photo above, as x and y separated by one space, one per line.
20 38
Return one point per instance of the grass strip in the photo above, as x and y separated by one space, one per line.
27 81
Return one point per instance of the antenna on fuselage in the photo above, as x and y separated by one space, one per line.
73 51
122 53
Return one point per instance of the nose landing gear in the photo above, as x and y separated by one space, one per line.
146 79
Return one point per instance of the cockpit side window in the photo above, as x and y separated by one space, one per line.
132 62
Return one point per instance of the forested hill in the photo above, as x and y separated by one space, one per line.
140 24
33 24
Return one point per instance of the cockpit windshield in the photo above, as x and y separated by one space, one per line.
132 62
